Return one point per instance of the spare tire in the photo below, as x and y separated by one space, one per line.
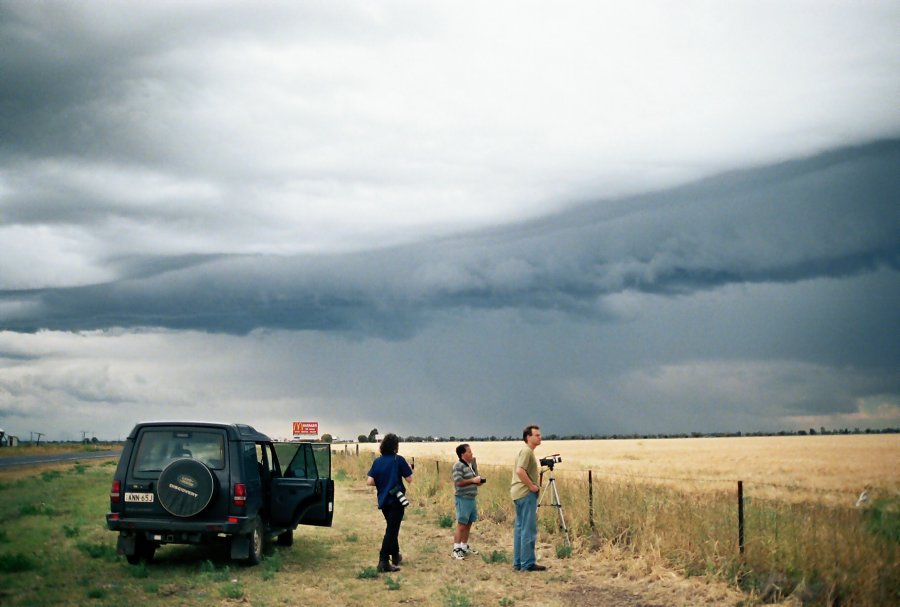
186 487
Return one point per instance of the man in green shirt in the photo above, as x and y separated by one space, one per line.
524 492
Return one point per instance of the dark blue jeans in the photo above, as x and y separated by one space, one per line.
393 516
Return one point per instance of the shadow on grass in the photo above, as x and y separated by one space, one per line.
308 552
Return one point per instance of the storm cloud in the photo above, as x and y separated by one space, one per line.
830 216
649 218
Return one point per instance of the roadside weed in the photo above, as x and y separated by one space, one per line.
495 556
98 551
456 597
563 551
367 573
233 590
15 563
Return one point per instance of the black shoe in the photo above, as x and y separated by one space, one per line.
535 568
386 567
396 559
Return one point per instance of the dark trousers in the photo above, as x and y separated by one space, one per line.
393 516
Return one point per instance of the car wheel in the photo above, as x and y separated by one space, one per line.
143 551
256 544
286 538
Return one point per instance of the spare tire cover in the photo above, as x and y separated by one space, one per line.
186 487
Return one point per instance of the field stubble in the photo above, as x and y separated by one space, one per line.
675 500
656 541
55 550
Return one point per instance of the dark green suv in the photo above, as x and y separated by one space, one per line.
193 483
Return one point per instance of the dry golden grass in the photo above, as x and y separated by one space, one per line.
832 469
675 500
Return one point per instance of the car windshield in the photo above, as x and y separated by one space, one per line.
156 448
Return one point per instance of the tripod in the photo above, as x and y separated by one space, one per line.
554 502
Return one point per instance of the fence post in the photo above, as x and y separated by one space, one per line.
741 516
437 468
591 499
357 449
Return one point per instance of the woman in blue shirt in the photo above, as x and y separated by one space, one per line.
386 473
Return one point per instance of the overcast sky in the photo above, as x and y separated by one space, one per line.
450 218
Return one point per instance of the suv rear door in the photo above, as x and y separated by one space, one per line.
156 447
302 490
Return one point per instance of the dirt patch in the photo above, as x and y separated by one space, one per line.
597 596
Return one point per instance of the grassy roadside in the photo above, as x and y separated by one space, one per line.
55 550
56 448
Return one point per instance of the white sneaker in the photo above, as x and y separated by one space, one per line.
458 554
469 550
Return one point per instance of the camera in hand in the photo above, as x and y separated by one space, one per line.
483 480
551 460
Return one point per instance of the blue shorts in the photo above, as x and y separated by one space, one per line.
466 513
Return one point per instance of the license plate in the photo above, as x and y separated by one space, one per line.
139 497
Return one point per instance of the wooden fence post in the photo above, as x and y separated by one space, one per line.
591 499
437 468
741 516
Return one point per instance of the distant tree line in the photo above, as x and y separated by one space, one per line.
809 432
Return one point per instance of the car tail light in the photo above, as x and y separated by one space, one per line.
115 492
240 495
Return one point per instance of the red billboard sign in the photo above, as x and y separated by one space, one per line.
306 428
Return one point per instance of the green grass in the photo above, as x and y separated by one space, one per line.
50 475
232 590
445 521
40 509
98 551
456 597
271 565
367 573
494 556
71 530
16 563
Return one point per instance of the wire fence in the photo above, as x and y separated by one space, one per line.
810 541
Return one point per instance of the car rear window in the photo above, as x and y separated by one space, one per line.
156 448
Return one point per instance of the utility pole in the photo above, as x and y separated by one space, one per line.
84 436
39 435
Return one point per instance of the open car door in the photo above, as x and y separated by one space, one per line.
302 490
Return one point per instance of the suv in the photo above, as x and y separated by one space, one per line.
193 483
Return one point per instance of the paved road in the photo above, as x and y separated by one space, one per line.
25 460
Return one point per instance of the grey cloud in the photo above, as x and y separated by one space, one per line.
118 82
829 216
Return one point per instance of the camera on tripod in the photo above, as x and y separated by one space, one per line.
550 460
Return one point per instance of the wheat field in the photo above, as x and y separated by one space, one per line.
676 500
833 468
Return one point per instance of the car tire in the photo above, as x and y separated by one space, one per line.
186 487
256 544
286 538
144 550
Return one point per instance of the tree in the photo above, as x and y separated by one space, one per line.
327 438
372 433
362 438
